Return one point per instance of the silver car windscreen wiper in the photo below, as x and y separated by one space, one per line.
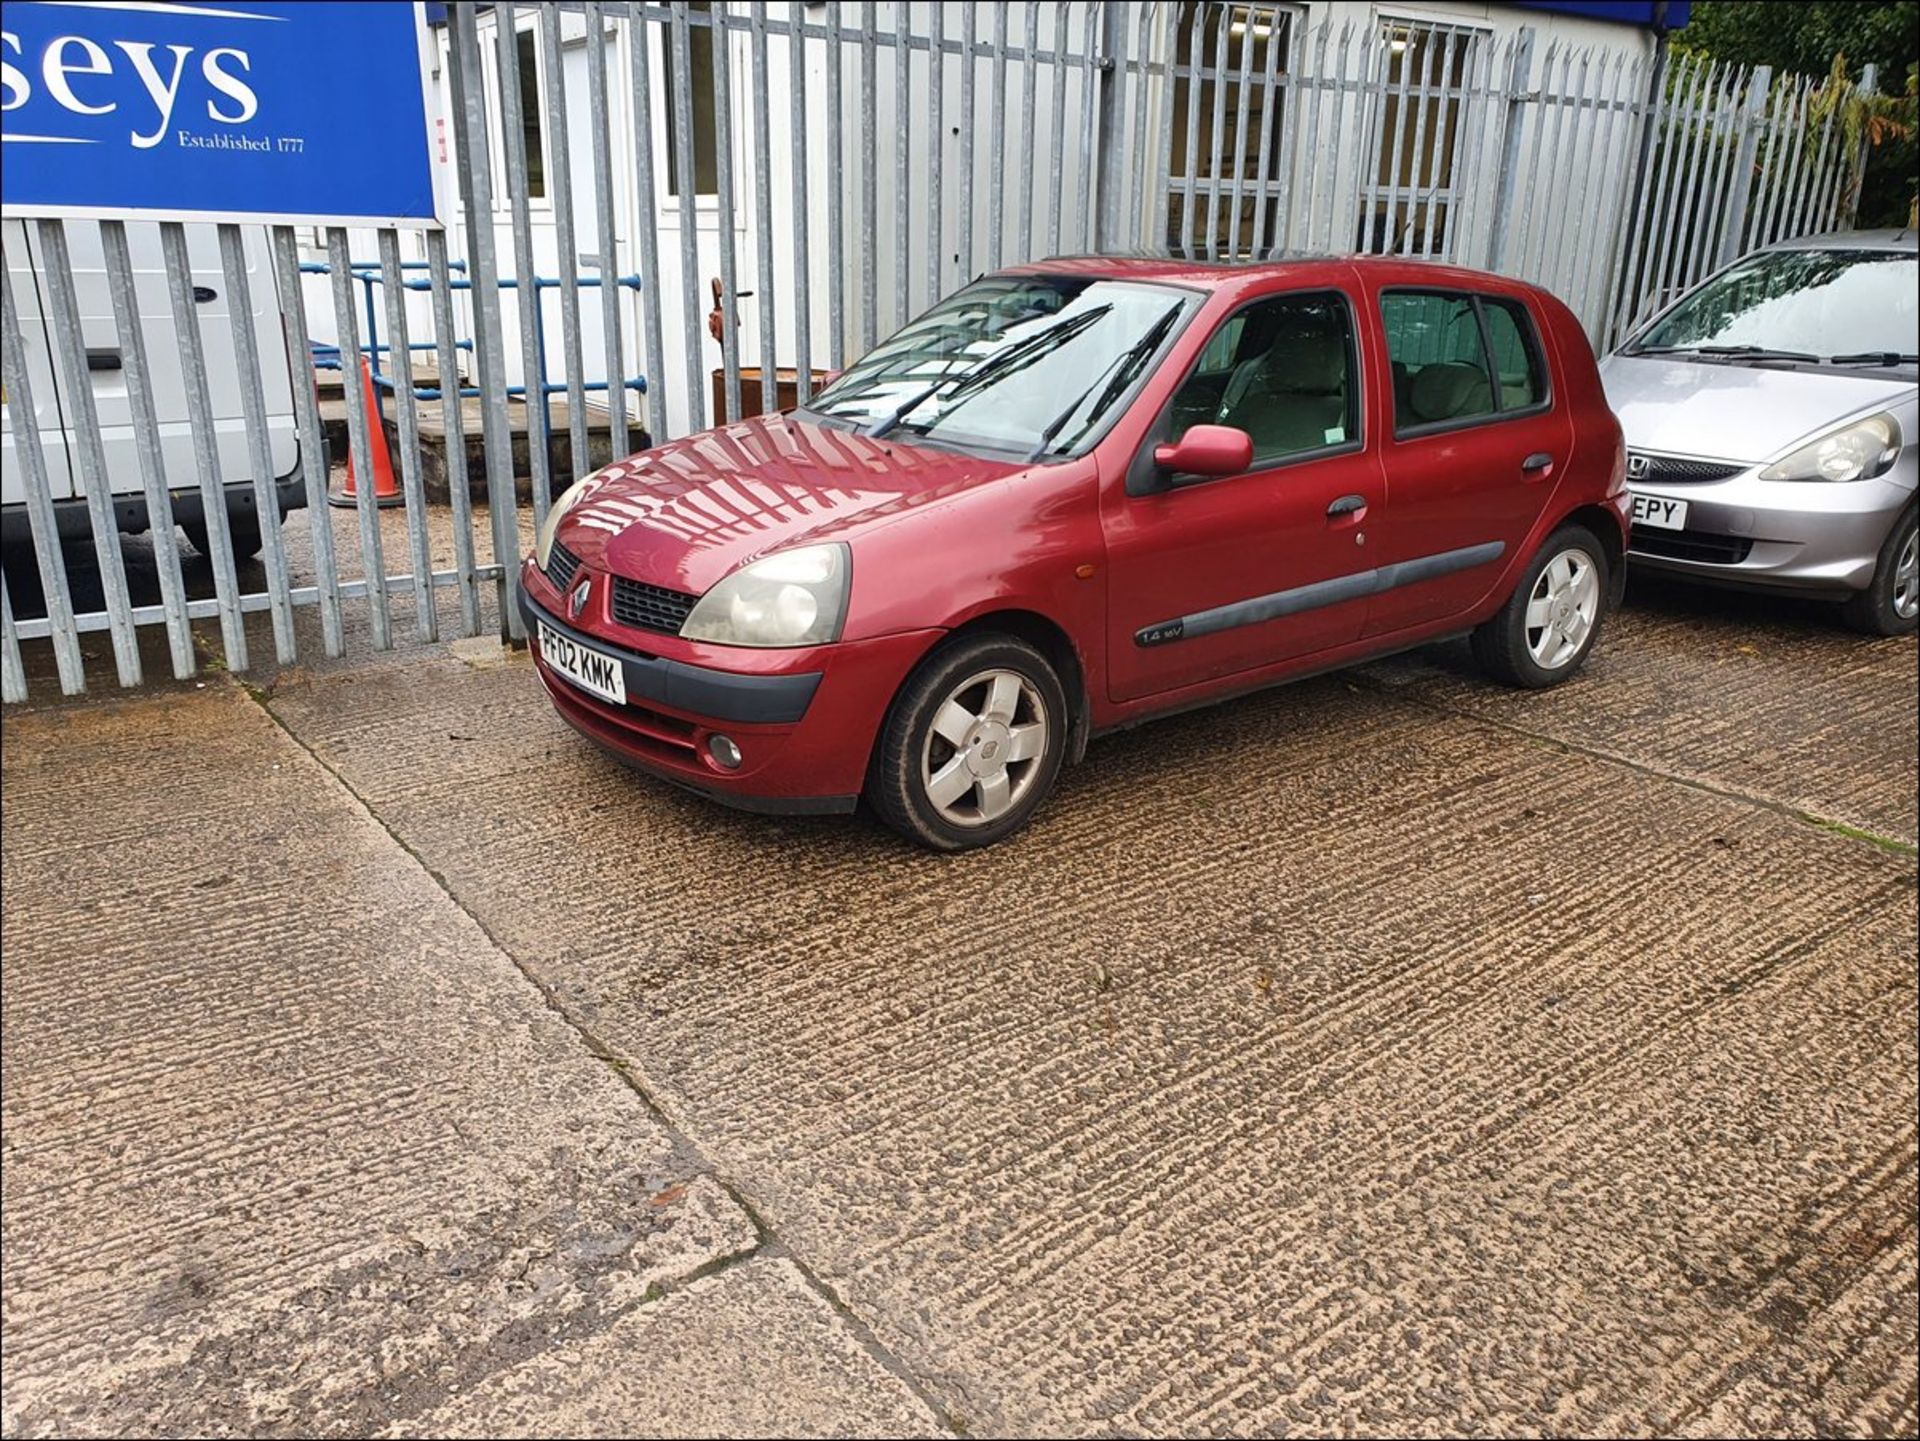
1874 357
1754 352
1727 352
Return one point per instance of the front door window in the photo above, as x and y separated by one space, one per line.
1282 370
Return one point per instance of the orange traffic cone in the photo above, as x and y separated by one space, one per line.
385 490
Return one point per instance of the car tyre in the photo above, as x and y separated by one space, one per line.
1891 605
972 744
243 529
1549 625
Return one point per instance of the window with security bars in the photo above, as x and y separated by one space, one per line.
1408 204
1229 98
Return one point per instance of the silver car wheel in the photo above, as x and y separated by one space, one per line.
1906 579
1563 608
984 748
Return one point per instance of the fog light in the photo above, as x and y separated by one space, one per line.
725 753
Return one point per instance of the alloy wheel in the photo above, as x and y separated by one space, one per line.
1563 609
984 748
1906 579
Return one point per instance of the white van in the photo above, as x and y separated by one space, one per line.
54 407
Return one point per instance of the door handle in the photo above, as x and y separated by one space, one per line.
1537 466
1347 505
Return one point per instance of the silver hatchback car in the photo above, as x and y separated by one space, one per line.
1772 420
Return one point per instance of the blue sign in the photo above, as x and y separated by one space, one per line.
1648 14
310 111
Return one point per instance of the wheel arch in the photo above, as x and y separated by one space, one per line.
1605 527
1050 638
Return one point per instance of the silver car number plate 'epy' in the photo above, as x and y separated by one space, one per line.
1659 513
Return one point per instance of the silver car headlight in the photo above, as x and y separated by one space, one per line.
1858 451
790 598
550 527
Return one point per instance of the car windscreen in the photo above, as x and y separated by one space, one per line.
1028 364
1815 305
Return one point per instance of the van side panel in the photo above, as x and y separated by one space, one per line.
46 399
162 342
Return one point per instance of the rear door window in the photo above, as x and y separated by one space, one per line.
1458 358
1516 357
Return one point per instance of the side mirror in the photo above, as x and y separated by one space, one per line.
1207 450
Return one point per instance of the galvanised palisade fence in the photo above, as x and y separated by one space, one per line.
835 167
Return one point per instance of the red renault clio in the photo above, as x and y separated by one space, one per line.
1074 495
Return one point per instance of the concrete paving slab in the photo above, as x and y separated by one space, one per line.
753 1351
1320 1062
1770 698
291 1145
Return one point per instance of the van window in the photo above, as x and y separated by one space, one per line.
1283 371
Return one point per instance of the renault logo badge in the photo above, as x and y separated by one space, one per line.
577 601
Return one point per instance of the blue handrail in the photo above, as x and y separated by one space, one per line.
369 273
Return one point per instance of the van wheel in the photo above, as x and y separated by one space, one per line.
972 744
243 529
1891 605
1545 631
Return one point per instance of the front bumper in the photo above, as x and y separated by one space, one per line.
1805 536
804 720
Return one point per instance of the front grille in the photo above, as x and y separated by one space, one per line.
561 565
1671 470
1691 545
650 607
635 603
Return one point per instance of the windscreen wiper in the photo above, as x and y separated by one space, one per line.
1874 357
874 432
1753 352
1021 352
1121 371
1727 352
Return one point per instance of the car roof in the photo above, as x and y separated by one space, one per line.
1905 239
1237 275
